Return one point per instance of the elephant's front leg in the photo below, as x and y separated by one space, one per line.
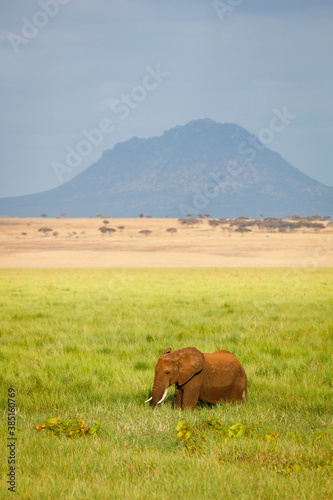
191 392
177 402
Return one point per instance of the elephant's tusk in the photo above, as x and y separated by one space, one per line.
163 397
149 400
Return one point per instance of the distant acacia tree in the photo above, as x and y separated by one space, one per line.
243 230
43 215
145 232
108 230
189 222
213 223
44 230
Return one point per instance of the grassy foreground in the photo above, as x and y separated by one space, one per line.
84 343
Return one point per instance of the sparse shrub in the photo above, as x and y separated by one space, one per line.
70 429
44 230
189 222
213 223
105 229
316 226
145 232
242 230
195 437
171 230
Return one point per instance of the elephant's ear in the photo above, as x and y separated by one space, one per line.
167 351
191 361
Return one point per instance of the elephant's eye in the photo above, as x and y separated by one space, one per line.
167 373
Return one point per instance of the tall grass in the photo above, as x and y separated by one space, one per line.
85 343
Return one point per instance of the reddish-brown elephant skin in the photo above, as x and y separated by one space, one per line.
207 377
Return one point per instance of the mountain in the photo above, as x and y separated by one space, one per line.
201 167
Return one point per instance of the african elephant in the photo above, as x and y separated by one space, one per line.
212 377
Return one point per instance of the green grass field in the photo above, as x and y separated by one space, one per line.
84 343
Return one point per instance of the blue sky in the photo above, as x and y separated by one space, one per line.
138 67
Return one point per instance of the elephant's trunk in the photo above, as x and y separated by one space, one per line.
159 394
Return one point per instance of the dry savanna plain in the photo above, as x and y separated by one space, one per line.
161 243
86 308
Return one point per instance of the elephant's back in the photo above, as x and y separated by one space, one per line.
221 356
224 362
224 378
